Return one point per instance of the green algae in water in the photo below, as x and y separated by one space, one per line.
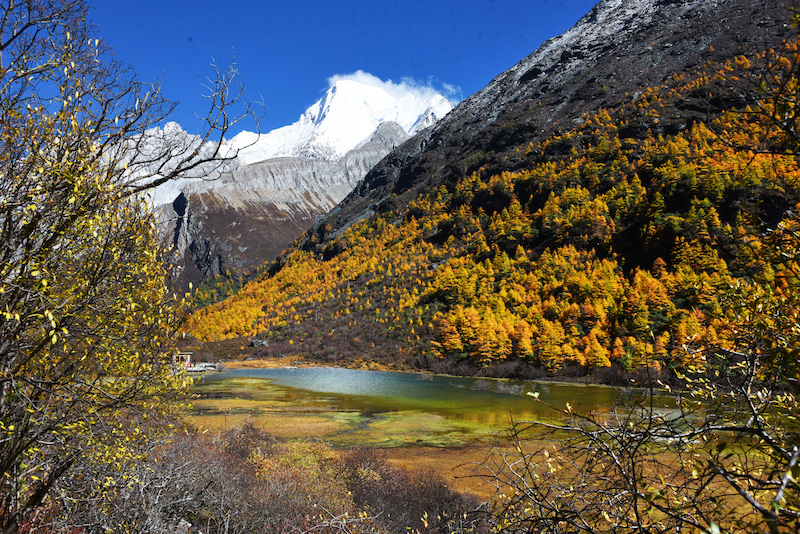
411 428
242 387
388 409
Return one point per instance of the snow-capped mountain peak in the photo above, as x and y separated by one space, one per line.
350 111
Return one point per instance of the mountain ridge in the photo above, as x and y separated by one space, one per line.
553 244
285 180
345 116
248 216
623 56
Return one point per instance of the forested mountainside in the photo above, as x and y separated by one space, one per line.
629 240
613 54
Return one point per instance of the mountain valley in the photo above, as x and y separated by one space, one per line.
571 303
518 236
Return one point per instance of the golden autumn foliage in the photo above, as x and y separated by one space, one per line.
613 246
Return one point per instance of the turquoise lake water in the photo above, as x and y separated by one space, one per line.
478 400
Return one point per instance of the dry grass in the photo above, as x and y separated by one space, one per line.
454 464
297 361
398 435
267 363
282 425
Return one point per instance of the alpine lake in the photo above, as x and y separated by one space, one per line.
384 409
417 420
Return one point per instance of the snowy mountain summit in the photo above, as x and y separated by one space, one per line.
346 116
283 181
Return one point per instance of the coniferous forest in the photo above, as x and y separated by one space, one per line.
656 244
620 243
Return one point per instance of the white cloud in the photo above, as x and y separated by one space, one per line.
407 85
452 93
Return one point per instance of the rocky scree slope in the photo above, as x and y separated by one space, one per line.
613 53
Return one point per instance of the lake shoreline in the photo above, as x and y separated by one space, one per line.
288 362
240 353
448 434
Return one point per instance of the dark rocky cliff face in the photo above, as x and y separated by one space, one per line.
613 53
248 216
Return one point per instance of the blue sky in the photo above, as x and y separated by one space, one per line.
286 51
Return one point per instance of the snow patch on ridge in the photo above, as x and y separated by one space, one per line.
349 112
346 117
162 148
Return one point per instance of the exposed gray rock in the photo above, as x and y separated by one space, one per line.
248 216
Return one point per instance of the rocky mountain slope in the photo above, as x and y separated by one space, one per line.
287 179
615 51
588 211
348 113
